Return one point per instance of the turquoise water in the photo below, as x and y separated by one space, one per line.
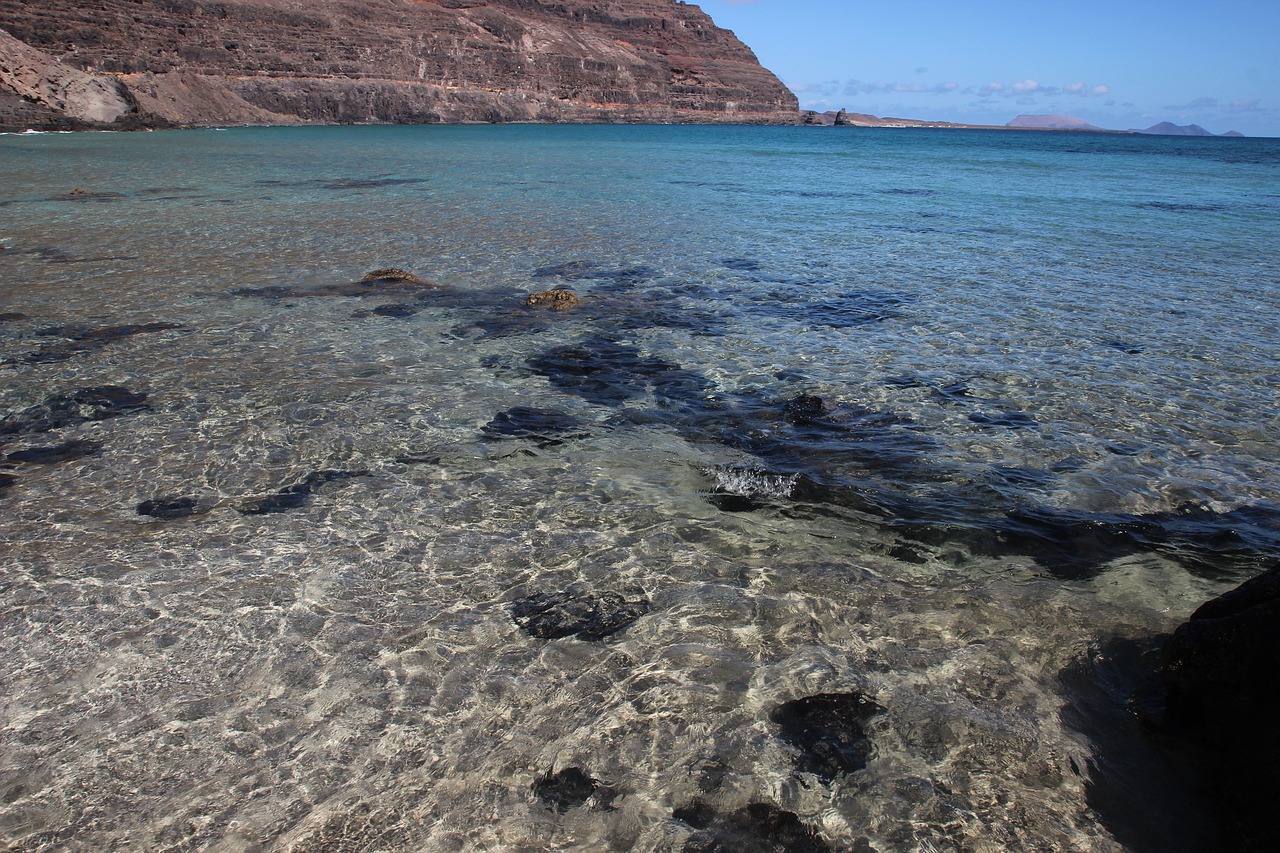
947 420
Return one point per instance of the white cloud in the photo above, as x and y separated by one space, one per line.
1026 90
859 87
1196 104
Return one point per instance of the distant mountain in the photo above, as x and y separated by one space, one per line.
1051 123
1166 128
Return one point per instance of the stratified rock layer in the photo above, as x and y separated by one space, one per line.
399 61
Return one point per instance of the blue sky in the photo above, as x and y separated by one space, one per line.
1118 64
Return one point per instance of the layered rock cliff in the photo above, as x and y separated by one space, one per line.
194 62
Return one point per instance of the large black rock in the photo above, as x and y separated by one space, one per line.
827 729
77 407
1222 672
572 787
589 616
756 828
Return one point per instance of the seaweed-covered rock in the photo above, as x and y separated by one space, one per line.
589 616
65 452
556 300
296 495
828 731
570 788
1222 672
391 274
61 410
168 508
756 828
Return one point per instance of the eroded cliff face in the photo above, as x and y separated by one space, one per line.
410 61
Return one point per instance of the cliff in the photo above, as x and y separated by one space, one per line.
190 62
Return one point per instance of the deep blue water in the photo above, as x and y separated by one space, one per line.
936 418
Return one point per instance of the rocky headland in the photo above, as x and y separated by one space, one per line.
159 63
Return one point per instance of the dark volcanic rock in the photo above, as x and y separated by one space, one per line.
1008 420
394 309
296 495
833 309
545 426
83 339
570 788
757 828
551 615
595 271
328 61
167 508
609 373
828 731
65 452
1222 671
60 410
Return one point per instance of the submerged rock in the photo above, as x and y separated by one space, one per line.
393 309
296 495
827 729
545 426
1222 675
83 339
65 452
1008 420
552 615
595 271
610 373
570 788
167 508
556 300
61 410
6 480
756 828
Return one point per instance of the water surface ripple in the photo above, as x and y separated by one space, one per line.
844 513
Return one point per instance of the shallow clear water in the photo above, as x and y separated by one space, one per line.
960 422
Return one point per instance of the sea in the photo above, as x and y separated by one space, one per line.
845 507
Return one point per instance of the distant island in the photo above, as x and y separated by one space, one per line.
844 118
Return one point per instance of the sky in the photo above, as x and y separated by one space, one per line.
1118 64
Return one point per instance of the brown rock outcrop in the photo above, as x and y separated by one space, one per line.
400 61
